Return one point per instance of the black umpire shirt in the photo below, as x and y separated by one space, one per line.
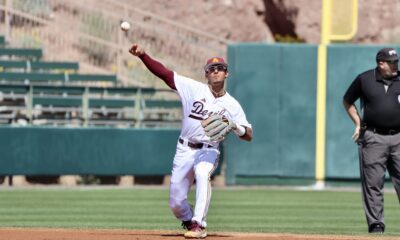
379 108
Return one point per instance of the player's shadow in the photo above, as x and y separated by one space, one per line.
158 235
208 235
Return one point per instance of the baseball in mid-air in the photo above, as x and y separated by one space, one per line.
125 26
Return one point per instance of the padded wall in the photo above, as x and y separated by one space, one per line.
345 62
276 86
102 151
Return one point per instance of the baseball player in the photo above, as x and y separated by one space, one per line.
209 114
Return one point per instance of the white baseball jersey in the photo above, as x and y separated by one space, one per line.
198 103
197 164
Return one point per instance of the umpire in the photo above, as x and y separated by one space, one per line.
377 131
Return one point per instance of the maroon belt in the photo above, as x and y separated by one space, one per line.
195 145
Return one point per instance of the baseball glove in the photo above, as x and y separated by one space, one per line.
217 127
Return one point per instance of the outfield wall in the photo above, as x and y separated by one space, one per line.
98 151
276 85
345 62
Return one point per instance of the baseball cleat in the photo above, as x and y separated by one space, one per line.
187 225
195 231
196 234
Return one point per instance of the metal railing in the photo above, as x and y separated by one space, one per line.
88 106
88 32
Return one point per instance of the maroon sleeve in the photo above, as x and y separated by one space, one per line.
159 70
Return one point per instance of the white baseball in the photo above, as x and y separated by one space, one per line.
125 26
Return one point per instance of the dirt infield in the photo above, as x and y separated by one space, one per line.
73 234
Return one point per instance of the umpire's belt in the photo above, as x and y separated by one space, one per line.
194 145
384 131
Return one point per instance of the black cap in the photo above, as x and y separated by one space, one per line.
387 54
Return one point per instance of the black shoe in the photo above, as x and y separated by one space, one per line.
186 224
377 228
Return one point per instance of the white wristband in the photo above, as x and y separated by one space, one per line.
240 130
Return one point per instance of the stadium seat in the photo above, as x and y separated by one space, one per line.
22 53
157 113
117 106
55 77
38 65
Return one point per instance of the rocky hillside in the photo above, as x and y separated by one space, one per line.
236 20
180 45
263 20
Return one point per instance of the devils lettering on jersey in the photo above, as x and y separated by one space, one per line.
199 113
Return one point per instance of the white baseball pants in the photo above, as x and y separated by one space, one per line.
190 165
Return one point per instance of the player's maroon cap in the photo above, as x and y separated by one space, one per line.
215 61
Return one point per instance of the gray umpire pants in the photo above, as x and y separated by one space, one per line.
377 153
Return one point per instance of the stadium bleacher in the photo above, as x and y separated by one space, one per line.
29 66
53 77
2 41
55 93
90 105
21 53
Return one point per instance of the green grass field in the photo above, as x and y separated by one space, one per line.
232 209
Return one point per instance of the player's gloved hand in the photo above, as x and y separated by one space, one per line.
217 127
